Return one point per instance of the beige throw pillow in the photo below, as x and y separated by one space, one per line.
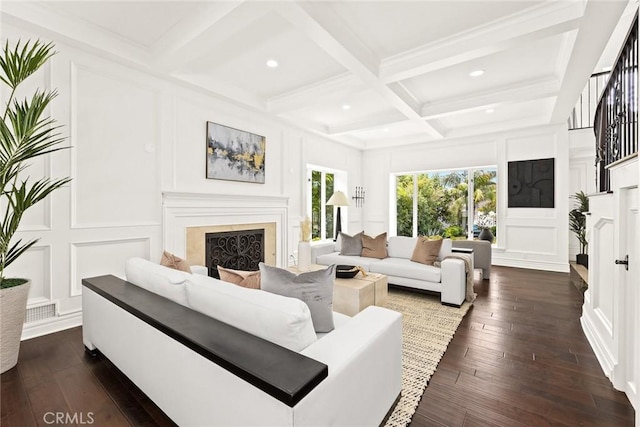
374 247
426 250
246 279
175 262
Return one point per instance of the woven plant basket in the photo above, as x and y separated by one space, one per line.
13 304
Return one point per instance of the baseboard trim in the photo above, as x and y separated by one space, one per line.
49 326
604 359
531 264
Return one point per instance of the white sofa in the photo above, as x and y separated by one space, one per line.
259 363
449 279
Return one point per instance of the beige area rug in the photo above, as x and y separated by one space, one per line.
427 329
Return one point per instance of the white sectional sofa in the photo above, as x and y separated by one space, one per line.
210 353
449 279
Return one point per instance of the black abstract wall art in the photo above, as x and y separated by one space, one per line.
531 183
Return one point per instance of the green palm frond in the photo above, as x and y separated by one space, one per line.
25 133
19 63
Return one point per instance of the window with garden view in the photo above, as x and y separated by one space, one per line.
455 204
321 214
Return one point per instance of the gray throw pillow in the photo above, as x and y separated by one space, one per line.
314 288
351 245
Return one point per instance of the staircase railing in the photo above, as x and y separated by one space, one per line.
616 118
584 111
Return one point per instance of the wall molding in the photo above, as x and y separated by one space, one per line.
52 325
605 358
75 284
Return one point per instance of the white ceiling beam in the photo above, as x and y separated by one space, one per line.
598 23
526 91
549 19
328 31
372 121
407 97
188 29
73 31
230 21
315 93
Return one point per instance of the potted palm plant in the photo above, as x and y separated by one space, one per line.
578 224
25 133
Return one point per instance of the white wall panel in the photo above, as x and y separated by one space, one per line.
531 239
602 238
189 149
116 177
35 264
96 258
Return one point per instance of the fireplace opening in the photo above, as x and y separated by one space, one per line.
238 250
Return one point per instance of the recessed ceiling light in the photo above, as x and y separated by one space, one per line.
272 63
489 110
346 107
476 73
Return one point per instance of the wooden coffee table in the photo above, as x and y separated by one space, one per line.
351 296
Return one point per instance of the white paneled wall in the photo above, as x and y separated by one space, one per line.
528 238
134 136
114 130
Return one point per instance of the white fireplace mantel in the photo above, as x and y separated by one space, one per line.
182 209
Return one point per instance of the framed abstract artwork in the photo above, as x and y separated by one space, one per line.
235 155
531 183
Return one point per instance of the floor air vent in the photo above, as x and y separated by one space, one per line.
41 312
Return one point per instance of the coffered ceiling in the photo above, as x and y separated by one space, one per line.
366 73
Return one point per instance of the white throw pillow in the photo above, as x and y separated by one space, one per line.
155 278
401 246
282 320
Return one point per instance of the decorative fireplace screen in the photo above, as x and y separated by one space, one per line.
238 250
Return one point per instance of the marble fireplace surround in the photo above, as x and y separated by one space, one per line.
187 217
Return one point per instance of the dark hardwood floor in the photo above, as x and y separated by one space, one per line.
518 358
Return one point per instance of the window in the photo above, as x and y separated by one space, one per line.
322 187
454 203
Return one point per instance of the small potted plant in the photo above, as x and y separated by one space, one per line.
578 224
25 133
